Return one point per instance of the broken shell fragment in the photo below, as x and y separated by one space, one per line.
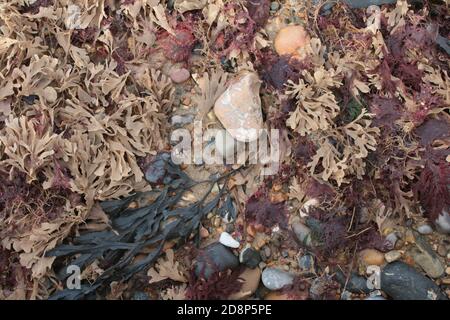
290 39
239 108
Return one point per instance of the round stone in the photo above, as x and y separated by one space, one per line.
274 6
290 39
179 75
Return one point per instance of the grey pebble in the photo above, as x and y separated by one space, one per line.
275 279
215 257
402 282
425 229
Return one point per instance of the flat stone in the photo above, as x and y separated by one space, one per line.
402 282
426 258
392 256
275 279
239 108
425 229
303 233
306 263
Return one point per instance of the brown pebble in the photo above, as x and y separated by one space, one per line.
251 230
441 250
204 233
368 257
290 39
187 101
217 222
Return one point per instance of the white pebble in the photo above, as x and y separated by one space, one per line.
443 221
227 240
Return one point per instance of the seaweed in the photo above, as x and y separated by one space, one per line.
134 229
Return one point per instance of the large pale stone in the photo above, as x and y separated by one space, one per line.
239 108
290 39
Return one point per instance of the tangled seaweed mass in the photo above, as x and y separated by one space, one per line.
92 91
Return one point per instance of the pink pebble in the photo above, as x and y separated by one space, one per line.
179 75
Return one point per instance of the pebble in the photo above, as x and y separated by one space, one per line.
239 108
370 257
250 280
447 270
179 75
227 240
303 233
306 263
181 120
443 222
441 250
204 233
156 170
263 256
290 39
391 240
267 251
215 257
217 222
274 6
426 258
346 295
50 94
140 295
249 257
393 255
275 279
409 236
229 227
425 229
402 282
355 284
